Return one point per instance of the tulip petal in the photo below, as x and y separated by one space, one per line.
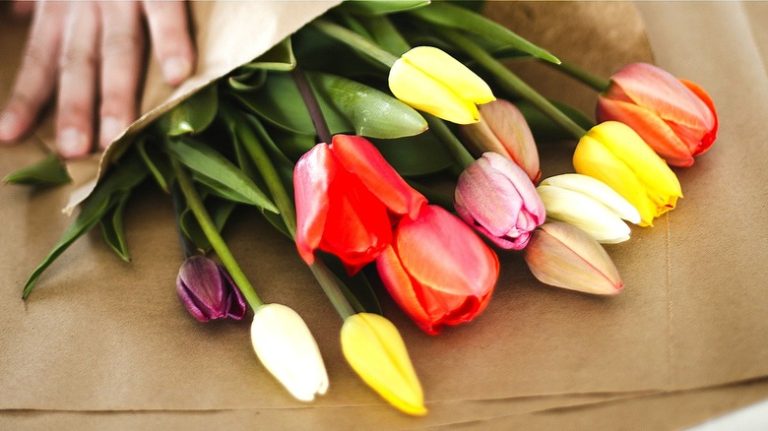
660 182
510 129
357 226
443 254
359 157
287 349
585 213
202 289
374 349
441 67
592 158
420 91
654 131
312 177
564 256
657 89
711 135
522 183
596 190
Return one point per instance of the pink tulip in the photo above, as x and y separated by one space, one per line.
497 198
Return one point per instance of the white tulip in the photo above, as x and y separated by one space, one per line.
597 190
286 348
588 204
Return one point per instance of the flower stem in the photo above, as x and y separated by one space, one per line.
330 285
451 142
310 100
355 41
217 242
177 199
598 83
512 83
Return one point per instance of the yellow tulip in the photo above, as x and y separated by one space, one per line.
615 154
430 80
373 347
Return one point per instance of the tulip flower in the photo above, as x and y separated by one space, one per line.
615 154
588 204
346 194
675 117
563 255
497 198
376 352
207 291
503 130
438 270
287 349
429 79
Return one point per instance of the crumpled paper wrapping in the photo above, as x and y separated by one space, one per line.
100 335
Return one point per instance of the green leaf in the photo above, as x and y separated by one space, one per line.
156 163
47 172
452 16
317 51
279 58
416 155
126 175
384 33
371 112
218 172
381 7
544 128
279 103
291 144
249 80
112 228
192 116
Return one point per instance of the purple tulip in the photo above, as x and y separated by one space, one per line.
207 291
496 197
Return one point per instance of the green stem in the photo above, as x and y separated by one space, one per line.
512 83
217 242
355 41
598 83
176 198
275 185
451 142
330 285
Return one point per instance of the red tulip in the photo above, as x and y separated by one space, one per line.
438 270
347 197
675 117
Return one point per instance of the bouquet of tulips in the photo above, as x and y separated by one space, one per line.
399 163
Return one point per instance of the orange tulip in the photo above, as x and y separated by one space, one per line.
675 117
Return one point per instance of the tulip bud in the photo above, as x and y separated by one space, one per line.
374 349
437 270
503 129
429 79
615 154
675 117
588 204
207 291
287 349
497 198
563 255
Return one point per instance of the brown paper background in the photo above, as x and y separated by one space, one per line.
101 335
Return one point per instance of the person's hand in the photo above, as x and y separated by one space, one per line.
92 52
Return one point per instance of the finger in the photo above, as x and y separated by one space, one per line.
37 75
77 81
121 48
23 9
171 42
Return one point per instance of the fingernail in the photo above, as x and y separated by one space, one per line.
109 129
176 69
72 143
8 125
